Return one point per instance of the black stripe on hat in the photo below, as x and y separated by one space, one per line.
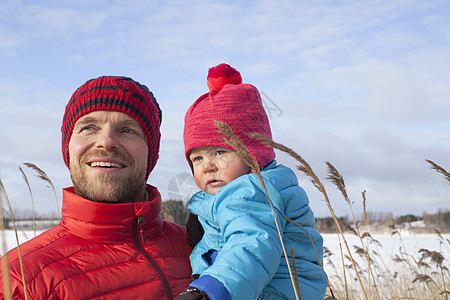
107 87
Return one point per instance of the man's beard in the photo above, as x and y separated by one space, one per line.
108 187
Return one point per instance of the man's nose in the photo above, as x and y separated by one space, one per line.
107 139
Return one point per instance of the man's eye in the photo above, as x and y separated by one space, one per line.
221 152
88 127
127 130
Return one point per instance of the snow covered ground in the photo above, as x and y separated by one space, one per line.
385 246
388 244
389 252
8 238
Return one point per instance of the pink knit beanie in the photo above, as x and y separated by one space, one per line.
121 94
234 103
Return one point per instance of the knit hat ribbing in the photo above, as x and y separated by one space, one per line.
235 103
121 94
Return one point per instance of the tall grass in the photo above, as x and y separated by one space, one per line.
44 177
25 178
3 195
235 142
6 283
439 169
363 273
5 273
395 286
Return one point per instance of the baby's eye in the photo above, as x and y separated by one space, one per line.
221 152
196 158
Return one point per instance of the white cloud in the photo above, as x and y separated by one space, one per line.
361 84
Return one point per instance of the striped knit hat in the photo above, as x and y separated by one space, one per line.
121 94
235 103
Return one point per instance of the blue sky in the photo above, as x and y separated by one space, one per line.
361 84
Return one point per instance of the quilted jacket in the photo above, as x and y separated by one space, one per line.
104 251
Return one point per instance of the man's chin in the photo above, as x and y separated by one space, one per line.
112 192
98 190
109 188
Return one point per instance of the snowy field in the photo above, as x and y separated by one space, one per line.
385 245
388 244
388 252
8 238
390 256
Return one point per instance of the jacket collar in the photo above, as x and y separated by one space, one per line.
110 222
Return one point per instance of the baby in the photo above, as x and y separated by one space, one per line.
239 253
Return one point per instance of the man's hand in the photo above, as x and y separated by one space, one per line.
191 293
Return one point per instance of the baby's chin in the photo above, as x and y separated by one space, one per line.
211 191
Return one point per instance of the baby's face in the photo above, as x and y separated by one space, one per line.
215 167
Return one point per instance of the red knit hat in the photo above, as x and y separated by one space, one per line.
121 94
235 103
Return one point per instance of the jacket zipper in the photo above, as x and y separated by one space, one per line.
141 223
140 247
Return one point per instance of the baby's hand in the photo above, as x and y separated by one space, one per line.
191 293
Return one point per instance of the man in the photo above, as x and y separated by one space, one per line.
111 242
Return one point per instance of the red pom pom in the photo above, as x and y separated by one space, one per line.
221 75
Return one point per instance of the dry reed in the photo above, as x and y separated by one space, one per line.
235 142
32 199
4 258
297 285
337 179
7 287
396 285
307 170
407 278
439 169
42 175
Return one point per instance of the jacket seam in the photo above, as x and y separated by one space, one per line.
124 289
103 267
43 246
60 260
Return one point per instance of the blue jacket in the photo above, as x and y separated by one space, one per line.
240 255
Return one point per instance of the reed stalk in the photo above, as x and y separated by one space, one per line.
438 259
315 250
439 169
338 180
343 267
235 142
363 193
297 285
42 175
5 268
4 258
32 200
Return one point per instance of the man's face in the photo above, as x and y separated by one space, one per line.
108 157
215 167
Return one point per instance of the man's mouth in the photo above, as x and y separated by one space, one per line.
105 164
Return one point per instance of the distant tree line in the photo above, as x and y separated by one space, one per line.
176 211
439 221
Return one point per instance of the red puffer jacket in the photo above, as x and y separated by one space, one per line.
104 251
